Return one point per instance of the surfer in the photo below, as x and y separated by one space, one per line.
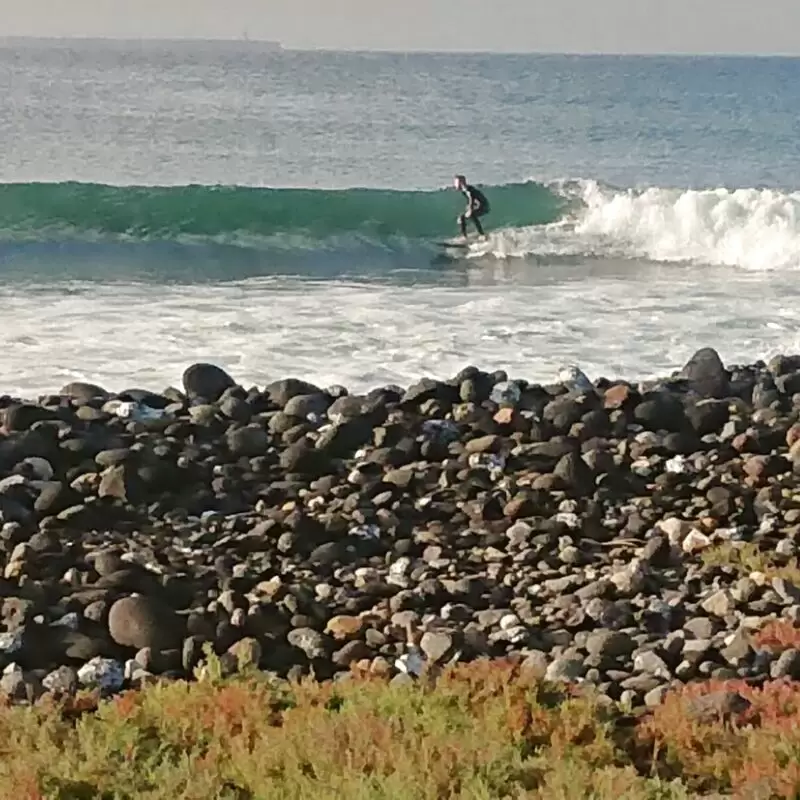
477 206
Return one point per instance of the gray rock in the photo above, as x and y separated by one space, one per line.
655 697
575 473
251 440
63 680
565 669
282 391
350 653
311 642
720 604
786 590
206 381
715 706
235 408
302 405
105 674
115 483
787 665
138 621
610 644
436 645
535 664
651 663
706 374
701 627
13 684
738 650
83 392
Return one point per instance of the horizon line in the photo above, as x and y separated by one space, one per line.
280 46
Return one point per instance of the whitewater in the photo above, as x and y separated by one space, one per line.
277 214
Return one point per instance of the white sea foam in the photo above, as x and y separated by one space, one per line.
609 319
755 229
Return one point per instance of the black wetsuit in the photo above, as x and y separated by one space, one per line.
477 206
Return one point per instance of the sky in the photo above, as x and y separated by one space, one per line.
593 26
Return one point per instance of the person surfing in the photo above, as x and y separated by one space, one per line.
477 206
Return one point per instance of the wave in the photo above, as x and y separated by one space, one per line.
748 228
236 213
756 229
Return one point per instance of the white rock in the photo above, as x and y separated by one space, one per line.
103 673
695 542
675 529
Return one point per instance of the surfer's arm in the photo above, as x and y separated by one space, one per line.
470 201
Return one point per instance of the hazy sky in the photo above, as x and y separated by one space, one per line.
618 26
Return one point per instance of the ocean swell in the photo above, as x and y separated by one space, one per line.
34 211
749 228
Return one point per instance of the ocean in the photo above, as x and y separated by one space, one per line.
276 213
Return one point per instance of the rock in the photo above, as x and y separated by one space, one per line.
738 650
564 669
708 416
651 663
563 412
436 645
104 674
706 374
535 665
206 381
661 411
83 392
17 612
235 408
247 652
762 467
61 681
342 440
311 642
138 621
54 498
575 473
13 684
22 416
281 392
610 644
249 441
301 405
620 395
717 706
351 653
655 697
484 444
343 627
787 665
719 604
116 483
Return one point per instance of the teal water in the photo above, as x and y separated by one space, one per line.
274 211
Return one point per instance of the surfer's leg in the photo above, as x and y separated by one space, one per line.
475 217
462 223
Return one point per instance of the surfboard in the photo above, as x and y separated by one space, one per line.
458 244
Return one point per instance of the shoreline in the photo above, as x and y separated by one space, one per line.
630 538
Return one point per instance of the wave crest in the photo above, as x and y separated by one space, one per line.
754 229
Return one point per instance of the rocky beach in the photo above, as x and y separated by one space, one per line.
632 537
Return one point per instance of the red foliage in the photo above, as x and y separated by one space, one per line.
743 736
777 636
